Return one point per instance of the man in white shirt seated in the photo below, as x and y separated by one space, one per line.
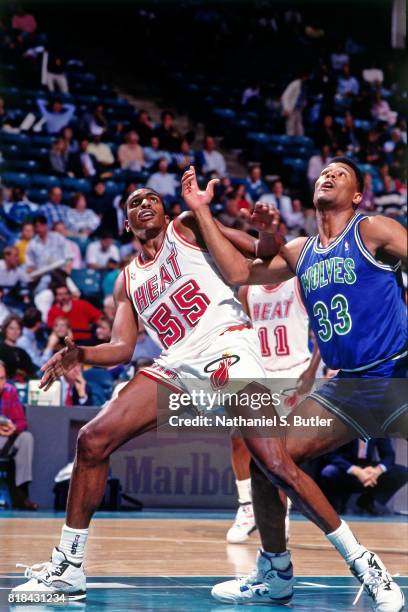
99 253
277 198
162 181
212 160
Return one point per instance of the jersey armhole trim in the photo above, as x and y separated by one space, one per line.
298 293
303 253
366 253
126 276
185 242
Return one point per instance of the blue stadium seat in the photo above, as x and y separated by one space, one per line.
11 138
76 184
37 153
28 166
88 282
368 168
114 188
38 196
19 179
42 140
225 113
362 124
259 137
10 151
45 180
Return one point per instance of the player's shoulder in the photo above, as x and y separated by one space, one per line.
377 223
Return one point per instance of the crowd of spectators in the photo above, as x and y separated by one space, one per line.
52 237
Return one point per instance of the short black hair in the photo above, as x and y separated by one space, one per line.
40 219
31 316
149 190
349 162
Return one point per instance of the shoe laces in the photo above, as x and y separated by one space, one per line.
36 570
372 581
244 513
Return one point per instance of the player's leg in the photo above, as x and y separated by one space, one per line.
131 413
244 522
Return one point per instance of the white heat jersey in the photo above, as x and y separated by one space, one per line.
280 319
181 297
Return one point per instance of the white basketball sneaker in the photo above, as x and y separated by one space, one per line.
243 526
377 583
58 576
265 585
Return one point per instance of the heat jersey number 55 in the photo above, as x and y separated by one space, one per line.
190 302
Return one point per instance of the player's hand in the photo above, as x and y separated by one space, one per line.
265 218
191 193
61 363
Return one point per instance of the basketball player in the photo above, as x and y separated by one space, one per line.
279 317
175 288
352 292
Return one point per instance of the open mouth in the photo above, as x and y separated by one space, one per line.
145 215
327 185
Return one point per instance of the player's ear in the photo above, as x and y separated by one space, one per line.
127 226
357 199
167 218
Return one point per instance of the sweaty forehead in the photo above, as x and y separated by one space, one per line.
337 166
141 193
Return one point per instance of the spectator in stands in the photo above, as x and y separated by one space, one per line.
373 75
11 272
18 363
210 160
347 85
367 202
98 200
82 163
4 311
144 127
154 152
231 215
81 314
19 208
28 341
101 151
174 210
251 96
296 219
54 210
100 253
381 110
59 157
27 233
103 330
372 152
163 181
60 330
16 441
5 115
56 114
254 184
113 220
55 69
317 163
130 154
327 133
109 307
82 221
339 58
390 202
93 123
23 21
45 249
184 157
278 199
71 144
167 133
293 101
146 349
76 391
75 251
350 137
353 468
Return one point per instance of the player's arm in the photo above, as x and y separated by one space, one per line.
383 233
307 378
118 350
266 246
233 265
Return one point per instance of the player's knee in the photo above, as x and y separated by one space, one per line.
90 446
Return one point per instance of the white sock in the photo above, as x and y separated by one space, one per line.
345 542
280 561
72 543
244 491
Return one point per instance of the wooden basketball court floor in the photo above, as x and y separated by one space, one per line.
168 561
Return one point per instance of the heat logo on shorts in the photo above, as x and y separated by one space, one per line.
220 375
